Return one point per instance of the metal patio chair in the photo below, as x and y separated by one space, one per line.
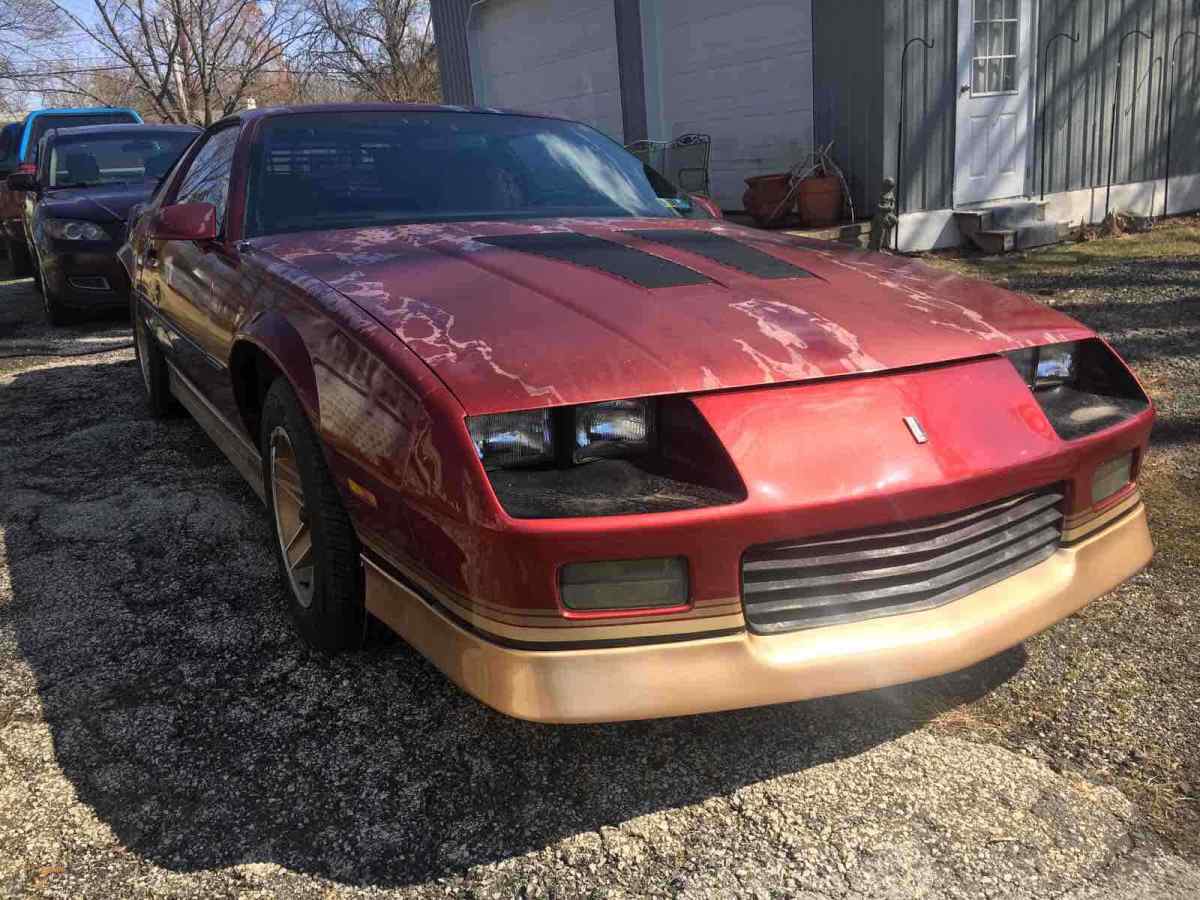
684 160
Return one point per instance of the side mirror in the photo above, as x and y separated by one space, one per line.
185 222
23 181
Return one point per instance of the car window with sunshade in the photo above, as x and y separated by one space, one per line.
315 171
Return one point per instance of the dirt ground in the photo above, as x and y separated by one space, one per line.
163 733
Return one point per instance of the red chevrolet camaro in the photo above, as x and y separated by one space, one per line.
599 457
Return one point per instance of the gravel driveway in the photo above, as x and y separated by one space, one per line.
163 733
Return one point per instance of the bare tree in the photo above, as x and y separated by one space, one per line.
190 60
24 23
383 48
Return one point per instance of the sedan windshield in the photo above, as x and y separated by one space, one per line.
111 158
315 171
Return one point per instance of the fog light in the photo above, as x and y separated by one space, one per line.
1111 476
626 584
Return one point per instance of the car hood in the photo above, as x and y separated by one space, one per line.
96 204
509 319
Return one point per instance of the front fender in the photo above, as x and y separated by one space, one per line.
271 334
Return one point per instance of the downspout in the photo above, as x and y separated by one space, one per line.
478 95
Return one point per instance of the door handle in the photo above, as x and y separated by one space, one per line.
964 89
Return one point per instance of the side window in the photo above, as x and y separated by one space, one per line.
207 176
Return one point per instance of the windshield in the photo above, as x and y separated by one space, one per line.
316 171
111 158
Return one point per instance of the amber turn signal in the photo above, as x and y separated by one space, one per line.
625 584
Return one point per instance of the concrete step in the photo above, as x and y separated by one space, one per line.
1005 216
994 240
1041 234
1018 213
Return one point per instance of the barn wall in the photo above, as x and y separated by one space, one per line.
1080 82
848 92
930 86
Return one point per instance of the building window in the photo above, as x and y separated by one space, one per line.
994 60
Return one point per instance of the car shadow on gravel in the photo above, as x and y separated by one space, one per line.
184 710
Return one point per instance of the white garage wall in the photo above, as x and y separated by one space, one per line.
741 72
549 56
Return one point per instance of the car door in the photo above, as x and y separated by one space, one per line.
195 282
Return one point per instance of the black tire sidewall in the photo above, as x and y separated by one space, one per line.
55 313
158 390
336 618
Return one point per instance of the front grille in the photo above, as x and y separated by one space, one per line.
901 568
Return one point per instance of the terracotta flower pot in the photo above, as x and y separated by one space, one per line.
764 194
819 201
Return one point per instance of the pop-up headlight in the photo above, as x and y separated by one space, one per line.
604 459
512 439
619 428
1081 386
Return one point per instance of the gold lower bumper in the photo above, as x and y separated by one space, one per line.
712 674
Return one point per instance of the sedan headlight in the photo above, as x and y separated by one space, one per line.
75 230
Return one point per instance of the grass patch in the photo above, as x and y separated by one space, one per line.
1171 239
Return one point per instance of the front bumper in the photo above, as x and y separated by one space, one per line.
741 670
72 276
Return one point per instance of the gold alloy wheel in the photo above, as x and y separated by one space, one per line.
292 527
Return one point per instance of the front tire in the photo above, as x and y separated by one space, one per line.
56 314
315 544
152 364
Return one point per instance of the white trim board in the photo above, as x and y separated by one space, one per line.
936 229
1144 198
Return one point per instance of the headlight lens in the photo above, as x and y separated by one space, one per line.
512 439
572 434
75 230
1047 367
620 428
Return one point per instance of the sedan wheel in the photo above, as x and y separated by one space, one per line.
55 313
152 364
315 542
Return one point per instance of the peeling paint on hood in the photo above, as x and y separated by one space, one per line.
507 330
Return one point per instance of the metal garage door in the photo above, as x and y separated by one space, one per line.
742 73
549 56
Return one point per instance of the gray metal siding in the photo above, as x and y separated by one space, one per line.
454 58
931 87
848 98
1080 81
857 90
